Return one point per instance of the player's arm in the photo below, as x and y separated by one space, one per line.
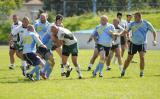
57 42
38 41
152 29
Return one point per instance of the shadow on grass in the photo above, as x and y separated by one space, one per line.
155 75
16 81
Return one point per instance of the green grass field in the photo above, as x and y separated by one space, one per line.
14 86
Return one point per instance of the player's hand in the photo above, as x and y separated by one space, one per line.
154 43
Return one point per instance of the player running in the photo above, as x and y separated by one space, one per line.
30 40
123 24
13 40
20 30
138 42
64 37
104 32
116 47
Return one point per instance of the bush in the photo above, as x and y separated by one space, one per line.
5 30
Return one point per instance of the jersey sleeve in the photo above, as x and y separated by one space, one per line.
61 35
150 27
46 38
37 39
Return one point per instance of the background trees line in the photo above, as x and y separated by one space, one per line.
77 7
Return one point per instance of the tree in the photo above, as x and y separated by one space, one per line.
7 6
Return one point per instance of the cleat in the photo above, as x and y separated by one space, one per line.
122 73
80 77
93 74
63 74
89 68
11 67
30 76
100 75
108 69
141 74
43 75
68 72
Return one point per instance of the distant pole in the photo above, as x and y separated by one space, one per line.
94 7
129 5
64 8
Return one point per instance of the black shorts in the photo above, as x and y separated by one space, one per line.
16 46
32 59
103 48
70 49
123 40
13 46
133 48
115 46
44 52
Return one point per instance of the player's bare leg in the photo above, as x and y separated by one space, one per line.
93 58
118 54
142 63
77 66
12 59
126 64
108 60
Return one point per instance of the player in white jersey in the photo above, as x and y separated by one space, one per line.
123 24
64 37
116 46
20 30
13 42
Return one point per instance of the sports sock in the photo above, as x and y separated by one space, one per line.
90 65
37 71
101 65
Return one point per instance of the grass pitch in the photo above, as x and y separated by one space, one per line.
14 86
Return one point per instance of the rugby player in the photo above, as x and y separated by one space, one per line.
139 28
64 37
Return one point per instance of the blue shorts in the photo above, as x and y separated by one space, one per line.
103 48
32 59
133 48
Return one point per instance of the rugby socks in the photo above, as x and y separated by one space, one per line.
96 70
37 71
101 65
46 67
62 68
90 65
78 71
33 70
24 64
49 71
120 67
108 67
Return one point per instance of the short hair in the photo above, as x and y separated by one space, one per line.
104 16
15 15
26 18
119 14
30 27
116 19
129 14
138 14
59 17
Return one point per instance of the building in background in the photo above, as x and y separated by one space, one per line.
30 8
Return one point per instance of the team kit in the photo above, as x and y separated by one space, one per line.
34 44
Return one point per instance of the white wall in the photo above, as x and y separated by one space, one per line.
83 37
